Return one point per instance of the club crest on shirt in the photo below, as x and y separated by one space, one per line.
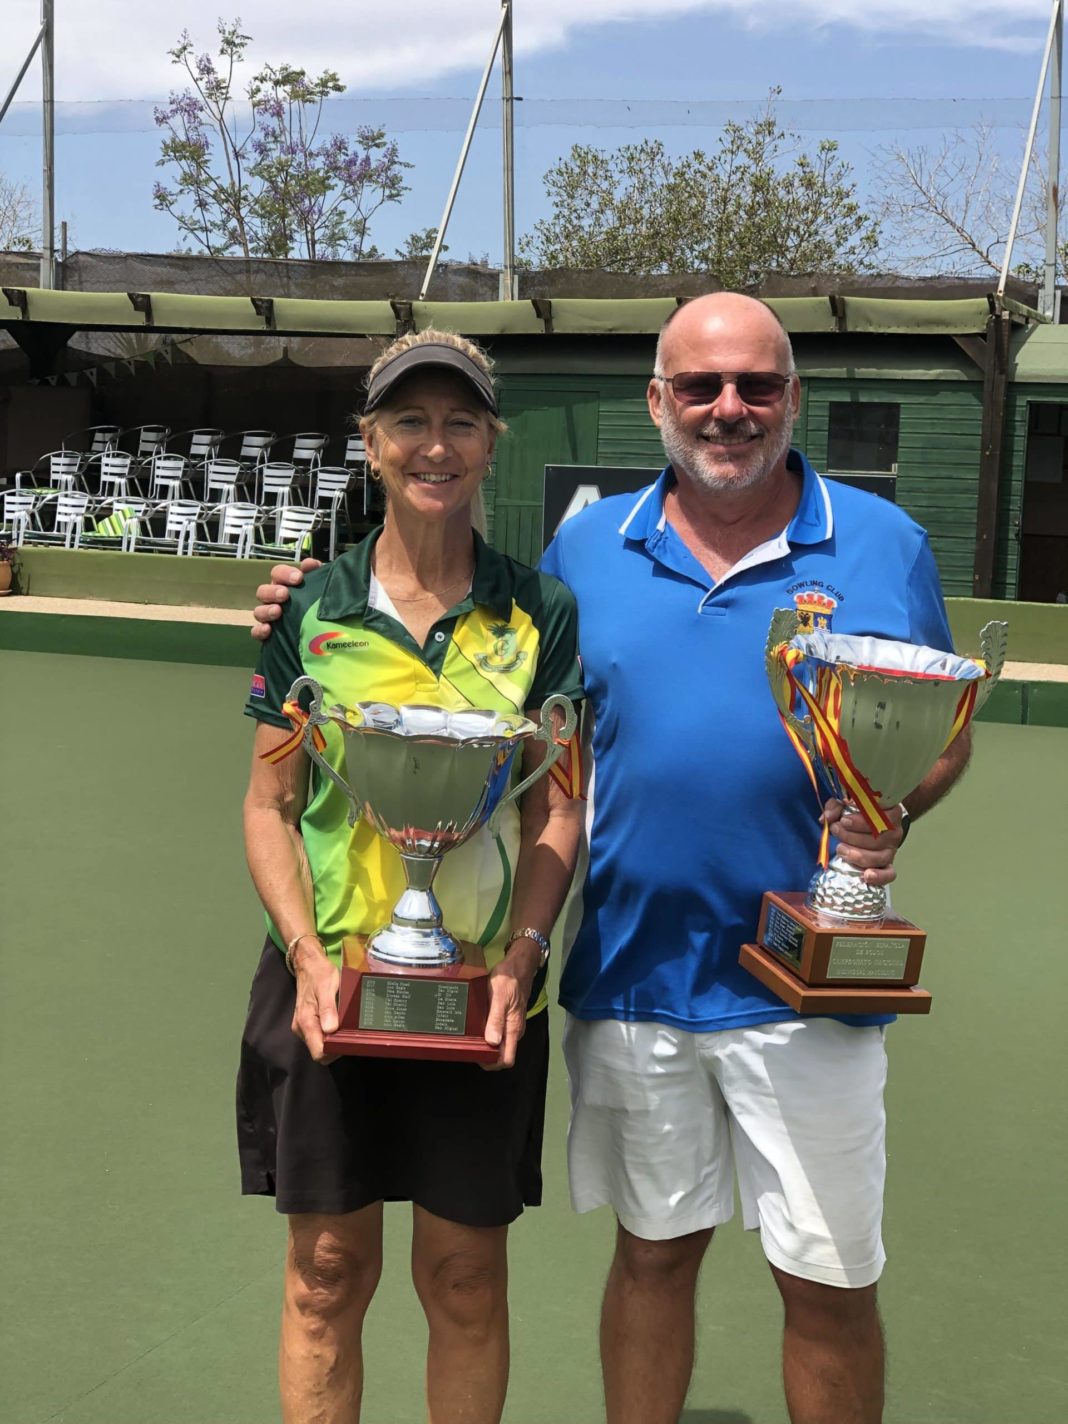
815 610
505 654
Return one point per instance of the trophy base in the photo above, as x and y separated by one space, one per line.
821 965
401 1011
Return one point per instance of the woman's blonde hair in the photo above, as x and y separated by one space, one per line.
474 353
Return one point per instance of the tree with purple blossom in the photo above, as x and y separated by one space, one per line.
251 172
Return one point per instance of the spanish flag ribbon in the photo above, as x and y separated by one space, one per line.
567 771
299 719
789 656
966 705
825 709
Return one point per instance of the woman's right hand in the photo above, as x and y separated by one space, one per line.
315 1011
271 596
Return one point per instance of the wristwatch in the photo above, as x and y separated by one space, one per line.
538 938
905 821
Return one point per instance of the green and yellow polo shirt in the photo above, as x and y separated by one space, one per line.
510 644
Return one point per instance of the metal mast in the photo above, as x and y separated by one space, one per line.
508 279
1047 299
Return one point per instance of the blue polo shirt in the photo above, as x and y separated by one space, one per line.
701 803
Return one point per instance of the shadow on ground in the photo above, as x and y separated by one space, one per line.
714 1416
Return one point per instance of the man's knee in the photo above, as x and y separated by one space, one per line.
327 1276
653 1263
820 1307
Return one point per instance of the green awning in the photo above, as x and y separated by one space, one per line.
479 318
295 314
567 316
914 317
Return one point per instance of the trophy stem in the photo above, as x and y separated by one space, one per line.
415 934
841 893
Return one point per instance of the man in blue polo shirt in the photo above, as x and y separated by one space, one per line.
682 1065
684 1071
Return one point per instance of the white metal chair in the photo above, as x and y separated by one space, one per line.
151 440
199 446
332 484
253 447
222 481
58 470
19 515
276 483
69 522
123 526
169 478
238 525
294 527
115 477
185 518
355 459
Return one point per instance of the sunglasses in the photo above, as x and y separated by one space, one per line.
756 388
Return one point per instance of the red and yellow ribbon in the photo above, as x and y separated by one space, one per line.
567 771
299 718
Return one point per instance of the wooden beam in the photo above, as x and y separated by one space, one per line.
974 347
991 457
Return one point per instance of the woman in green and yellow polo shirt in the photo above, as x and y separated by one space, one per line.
422 611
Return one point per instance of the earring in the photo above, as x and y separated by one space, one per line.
375 474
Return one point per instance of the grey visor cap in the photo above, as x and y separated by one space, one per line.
430 354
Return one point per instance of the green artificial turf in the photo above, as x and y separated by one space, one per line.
139 1288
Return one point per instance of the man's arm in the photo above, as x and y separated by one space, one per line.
271 597
875 854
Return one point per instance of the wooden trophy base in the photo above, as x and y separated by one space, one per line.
821 966
395 1011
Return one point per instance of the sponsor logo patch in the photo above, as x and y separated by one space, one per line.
334 642
259 686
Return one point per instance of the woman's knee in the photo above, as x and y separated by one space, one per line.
467 1287
330 1273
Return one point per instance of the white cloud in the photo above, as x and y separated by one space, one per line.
115 49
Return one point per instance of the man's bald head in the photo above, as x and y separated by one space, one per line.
722 314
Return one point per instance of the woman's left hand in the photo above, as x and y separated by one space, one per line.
874 855
509 984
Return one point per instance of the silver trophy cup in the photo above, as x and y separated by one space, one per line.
891 707
427 780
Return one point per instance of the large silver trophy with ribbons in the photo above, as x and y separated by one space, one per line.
869 717
427 779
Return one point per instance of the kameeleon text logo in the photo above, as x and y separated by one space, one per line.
334 641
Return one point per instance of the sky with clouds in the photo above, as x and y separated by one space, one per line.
881 54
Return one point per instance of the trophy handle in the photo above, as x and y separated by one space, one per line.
316 719
555 742
994 644
784 625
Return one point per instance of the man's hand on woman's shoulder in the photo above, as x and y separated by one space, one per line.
271 596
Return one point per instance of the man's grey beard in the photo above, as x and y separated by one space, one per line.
688 453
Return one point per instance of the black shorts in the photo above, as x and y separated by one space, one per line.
462 1143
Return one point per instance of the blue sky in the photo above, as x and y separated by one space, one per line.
942 51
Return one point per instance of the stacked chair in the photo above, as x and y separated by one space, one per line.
197 492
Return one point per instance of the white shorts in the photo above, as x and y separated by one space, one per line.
661 1116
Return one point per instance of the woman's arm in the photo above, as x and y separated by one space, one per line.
279 866
551 826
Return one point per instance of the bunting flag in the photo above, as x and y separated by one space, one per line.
567 772
299 719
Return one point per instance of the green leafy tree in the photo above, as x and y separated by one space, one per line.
757 203
251 173
419 245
